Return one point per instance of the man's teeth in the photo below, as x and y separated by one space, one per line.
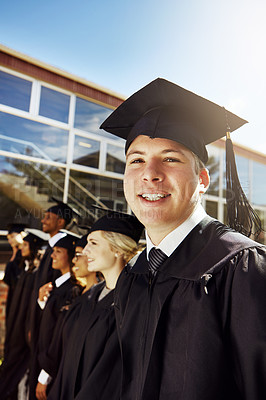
153 196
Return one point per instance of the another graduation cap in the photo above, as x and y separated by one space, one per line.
82 241
15 227
68 241
36 238
165 110
115 221
63 210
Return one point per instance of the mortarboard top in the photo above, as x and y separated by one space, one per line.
36 237
163 109
82 241
16 227
118 222
63 210
68 241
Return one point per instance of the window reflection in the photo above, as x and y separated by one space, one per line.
213 167
26 189
115 159
259 187
86 152
89 116
86 189
54 104
242 165
212 208
23 136
14 91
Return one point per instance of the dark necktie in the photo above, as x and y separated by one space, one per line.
156 259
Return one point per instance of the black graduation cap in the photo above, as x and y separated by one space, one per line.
68 241
36 237
116 221
82 241
63 210
163 109
15 227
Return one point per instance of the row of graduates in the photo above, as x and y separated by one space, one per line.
55 340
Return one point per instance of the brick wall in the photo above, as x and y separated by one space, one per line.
3 296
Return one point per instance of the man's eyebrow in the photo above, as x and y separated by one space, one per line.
130 153
172 151
165 151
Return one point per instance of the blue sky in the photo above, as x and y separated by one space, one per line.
211 47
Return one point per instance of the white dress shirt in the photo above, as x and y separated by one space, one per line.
174 238
44 378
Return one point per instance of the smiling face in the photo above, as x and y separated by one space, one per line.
60 259
80 262
161 184
100 256
52 223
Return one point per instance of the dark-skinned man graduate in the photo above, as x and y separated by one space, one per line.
191 311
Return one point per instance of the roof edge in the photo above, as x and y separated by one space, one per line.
58 71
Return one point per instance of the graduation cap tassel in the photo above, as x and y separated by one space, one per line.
241 216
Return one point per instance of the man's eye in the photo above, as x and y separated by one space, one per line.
136 161
171 159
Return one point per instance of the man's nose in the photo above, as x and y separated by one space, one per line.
153 171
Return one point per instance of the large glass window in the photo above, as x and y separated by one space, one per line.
23 136
212 208
213 167
26 189
86 152
14 91
242 165
115 159
87 189
54 104
259 187
89 116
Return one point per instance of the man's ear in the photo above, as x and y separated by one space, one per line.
61 223
204 180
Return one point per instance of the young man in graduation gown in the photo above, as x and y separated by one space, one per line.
52 302
56 217
190 317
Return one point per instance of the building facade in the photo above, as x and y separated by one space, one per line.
51 146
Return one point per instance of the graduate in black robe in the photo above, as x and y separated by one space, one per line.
17 350
91 365
190 313
12 269
53 297
56 217
50 360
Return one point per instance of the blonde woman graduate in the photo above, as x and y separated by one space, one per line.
91 366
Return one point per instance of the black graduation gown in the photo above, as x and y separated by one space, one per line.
50 361
12 273
17 350
91 364
198 330
45 274
58 299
